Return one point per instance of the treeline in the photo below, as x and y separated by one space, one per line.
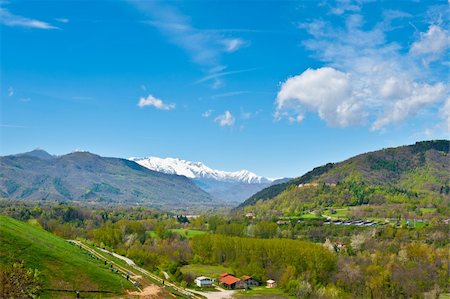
71 221
267 258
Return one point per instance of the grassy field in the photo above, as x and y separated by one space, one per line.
189 233
262 292
310 216
339 213
62 265
205 270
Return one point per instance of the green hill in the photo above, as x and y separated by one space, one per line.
86 177
419 171
61 264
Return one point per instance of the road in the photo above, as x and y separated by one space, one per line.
222 294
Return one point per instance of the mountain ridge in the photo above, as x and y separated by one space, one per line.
390 166
87 177
232 187
198 170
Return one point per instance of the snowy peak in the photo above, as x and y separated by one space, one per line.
198 170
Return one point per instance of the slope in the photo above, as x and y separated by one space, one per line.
61 264
82 176
422 168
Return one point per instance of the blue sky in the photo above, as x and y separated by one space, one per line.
276 87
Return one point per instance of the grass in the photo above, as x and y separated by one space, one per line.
262 292
188 233
339 213
205 270
145 280
413 224
428 210
61 264
310 216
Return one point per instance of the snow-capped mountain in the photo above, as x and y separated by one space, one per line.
234 186
198 170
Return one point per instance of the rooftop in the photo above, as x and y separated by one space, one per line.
229 279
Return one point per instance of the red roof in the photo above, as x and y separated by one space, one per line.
245 277
224 274
229 279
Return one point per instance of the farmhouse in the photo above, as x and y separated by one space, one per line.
249 281
203 281
230 282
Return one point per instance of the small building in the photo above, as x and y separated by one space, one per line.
282 222
271 284
308 185
203 281
230 282
250 282
250 215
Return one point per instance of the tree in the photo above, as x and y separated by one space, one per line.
18 282
161 230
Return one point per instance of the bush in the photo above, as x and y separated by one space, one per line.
18 282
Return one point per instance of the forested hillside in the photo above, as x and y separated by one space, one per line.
86 177
417 173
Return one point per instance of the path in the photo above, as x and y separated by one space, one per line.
152 276
222 294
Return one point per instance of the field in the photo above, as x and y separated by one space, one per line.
189 233
62 265
309 216
205 270
339 213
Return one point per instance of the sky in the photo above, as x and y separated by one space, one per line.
275 87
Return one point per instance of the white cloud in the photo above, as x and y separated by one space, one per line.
216 75
445 114
365 80
406 99
228 94
326 91
233 44
10 92
9 19
205 47
207 113
431 44
226 119
342 6
155 102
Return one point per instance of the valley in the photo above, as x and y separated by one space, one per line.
339 231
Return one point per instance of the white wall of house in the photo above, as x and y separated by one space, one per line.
203 281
